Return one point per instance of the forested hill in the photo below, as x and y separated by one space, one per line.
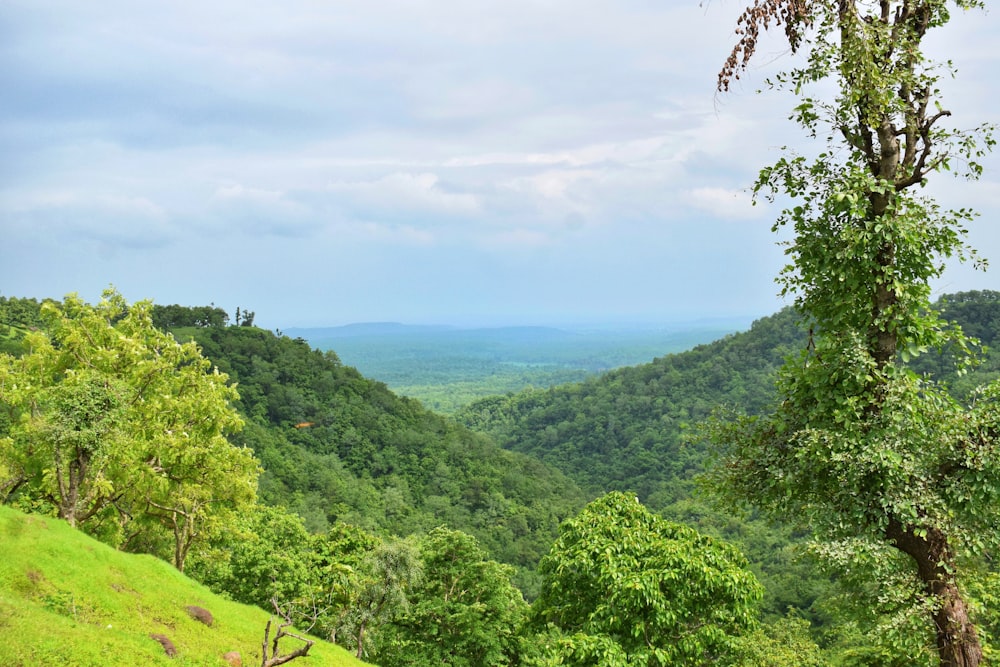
624 430
337 446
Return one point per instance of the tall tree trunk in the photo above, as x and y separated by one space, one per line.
69 479
957 641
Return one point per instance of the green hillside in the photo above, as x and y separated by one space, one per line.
626 429
342 450
635 429
67 599
623 430
337 446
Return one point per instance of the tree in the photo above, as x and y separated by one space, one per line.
463 612
175 316
786 642
880 461
121 428
391 570
339 559
624 587
266 555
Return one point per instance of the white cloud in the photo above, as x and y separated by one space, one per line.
235 208
402 193
111 220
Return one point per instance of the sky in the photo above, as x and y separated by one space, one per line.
473 162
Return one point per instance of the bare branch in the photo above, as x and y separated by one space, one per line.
275 658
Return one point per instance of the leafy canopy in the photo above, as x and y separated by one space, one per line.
624 587
120 429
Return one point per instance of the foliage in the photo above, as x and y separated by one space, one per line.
627 430
265 554
900 478
176 316
463 612
17 317
784 643
121 429
322 574
623 430
391 571
344 584
339 561
651 406
625 587
977 314
338 447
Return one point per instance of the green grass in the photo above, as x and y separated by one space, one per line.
66 599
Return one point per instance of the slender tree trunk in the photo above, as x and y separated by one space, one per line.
957 641
69 481
958 644
361 640
183 524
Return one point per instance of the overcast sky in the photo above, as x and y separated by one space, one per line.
464 162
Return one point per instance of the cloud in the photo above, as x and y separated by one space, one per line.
259 211
571 150
401 194
110 220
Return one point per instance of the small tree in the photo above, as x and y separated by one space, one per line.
622 586
120 427
391 569
463 612
898 479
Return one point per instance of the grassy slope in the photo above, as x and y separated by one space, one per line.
66 599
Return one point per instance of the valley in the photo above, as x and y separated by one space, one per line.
447 367
353 472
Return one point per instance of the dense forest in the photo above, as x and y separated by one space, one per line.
634 428
624 429
357 468
336 446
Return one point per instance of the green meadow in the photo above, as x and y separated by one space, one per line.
66 599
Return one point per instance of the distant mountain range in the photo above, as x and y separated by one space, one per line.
399 329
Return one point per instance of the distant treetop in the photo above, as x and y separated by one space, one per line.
174 316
